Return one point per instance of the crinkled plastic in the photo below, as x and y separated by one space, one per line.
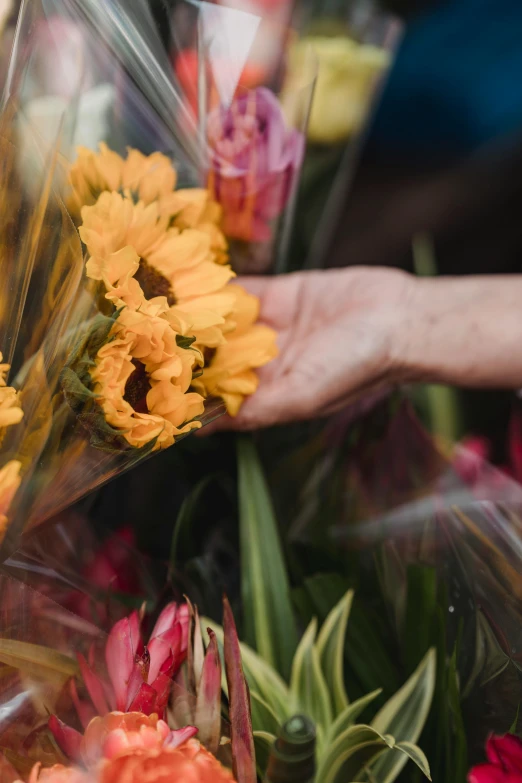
252 106
81 73
432 539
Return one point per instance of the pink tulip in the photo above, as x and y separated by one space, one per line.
504 764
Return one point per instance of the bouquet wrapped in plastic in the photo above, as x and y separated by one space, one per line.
430 538
119 321
251 104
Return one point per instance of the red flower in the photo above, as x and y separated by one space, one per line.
504 764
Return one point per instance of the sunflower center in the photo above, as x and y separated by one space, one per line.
153 283
137 388
208 355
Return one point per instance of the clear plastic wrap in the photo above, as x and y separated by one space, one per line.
116 311
430 538
251 105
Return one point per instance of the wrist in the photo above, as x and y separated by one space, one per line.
461 331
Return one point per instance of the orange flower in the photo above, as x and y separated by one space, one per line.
110 735
141 378
190 762
230 373
147 177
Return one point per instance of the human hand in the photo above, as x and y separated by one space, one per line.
337 334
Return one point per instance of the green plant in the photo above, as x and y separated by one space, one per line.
346 750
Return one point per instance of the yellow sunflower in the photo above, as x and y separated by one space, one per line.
230 372
10 410
147 177
195 208
141 378
155 269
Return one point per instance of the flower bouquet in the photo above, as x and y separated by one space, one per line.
431 540
252 112
354 44
181 696
120 326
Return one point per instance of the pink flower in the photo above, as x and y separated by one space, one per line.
255 159
504 763
140 677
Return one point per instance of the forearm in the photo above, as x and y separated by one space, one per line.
463 331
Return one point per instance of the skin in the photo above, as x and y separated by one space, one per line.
354 333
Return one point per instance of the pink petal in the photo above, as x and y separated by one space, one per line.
161 647
86 712
119 655
115 743
140 674
144 701
486 773
68 740
505 752
179 736
166 620
208 705
184 621
135 633
94 686
163 684
242 738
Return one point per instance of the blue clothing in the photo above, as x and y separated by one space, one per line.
457 81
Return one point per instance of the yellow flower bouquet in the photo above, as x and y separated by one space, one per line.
122 323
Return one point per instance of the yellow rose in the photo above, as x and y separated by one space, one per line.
347 73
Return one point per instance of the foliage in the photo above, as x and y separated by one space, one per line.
346 750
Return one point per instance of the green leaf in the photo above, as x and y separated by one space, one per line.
263 742
320 592
514 725
184 342
352 750
405 714
421 604
416 755
460 761
36 661
263 716
350 714
185 518
269 619
494 659
308 688
364 633
261 677
330 646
